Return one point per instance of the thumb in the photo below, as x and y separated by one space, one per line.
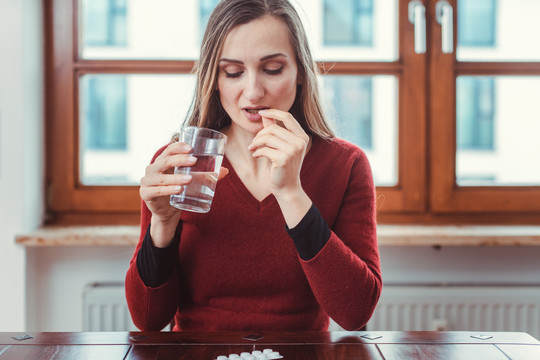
223 171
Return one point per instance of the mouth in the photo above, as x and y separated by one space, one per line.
254 110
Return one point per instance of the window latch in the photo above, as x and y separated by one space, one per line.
445 17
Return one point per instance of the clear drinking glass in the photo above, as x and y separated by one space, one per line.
208 147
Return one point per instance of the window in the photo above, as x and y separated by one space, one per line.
476 25
352 99
475 112
206 8
104 107
105 23
348 22
450 137
481 142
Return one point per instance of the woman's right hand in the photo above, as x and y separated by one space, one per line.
159 183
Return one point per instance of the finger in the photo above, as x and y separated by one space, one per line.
277 137
278 158
223 171
267 122
177 148
211 177
164 164
275 142
165 180
153 192
285 118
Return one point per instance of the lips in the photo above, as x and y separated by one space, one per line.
254 110
252 113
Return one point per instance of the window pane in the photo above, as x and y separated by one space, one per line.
498 30
141 29
475 112
205 7
105 117
498 127
352 30
365 113
476 23
364 30
348 22
124 119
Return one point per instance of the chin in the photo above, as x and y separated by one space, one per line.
251 127
255 128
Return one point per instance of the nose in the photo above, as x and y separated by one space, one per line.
254 88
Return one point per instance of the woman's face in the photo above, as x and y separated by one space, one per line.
257 70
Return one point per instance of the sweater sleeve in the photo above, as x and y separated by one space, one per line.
345 275
151 308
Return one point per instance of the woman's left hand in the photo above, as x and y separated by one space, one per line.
284 146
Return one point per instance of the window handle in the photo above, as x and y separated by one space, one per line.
445 17
417 17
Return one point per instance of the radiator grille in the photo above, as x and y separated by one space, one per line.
473 308
105 308
405 308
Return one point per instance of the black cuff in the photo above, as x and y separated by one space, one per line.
156 265
311 234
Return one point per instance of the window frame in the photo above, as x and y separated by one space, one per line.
493 204
426 191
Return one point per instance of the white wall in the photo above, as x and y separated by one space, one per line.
56 279
21 147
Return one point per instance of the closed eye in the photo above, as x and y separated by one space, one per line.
233 75
274 71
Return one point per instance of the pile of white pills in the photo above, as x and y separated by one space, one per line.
266 354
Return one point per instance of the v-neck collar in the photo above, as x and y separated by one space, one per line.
269 200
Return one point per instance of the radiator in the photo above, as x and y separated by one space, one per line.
105 308
407 308
454 308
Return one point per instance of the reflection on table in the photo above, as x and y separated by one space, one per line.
291 345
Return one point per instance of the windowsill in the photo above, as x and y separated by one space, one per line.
388 235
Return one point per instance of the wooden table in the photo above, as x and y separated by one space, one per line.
291 345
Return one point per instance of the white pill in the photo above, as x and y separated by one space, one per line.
222 357
245 354
268 351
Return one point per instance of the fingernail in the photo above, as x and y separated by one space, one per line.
262 112
177 189
186 177
192 158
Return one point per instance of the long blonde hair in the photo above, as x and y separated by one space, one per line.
206 110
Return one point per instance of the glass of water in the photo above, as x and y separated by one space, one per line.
208 147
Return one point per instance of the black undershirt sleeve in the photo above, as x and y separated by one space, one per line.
311 234
156 265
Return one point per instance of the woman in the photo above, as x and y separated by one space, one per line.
291 238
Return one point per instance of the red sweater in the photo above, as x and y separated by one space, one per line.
238 268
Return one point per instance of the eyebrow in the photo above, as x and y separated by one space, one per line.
264 58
